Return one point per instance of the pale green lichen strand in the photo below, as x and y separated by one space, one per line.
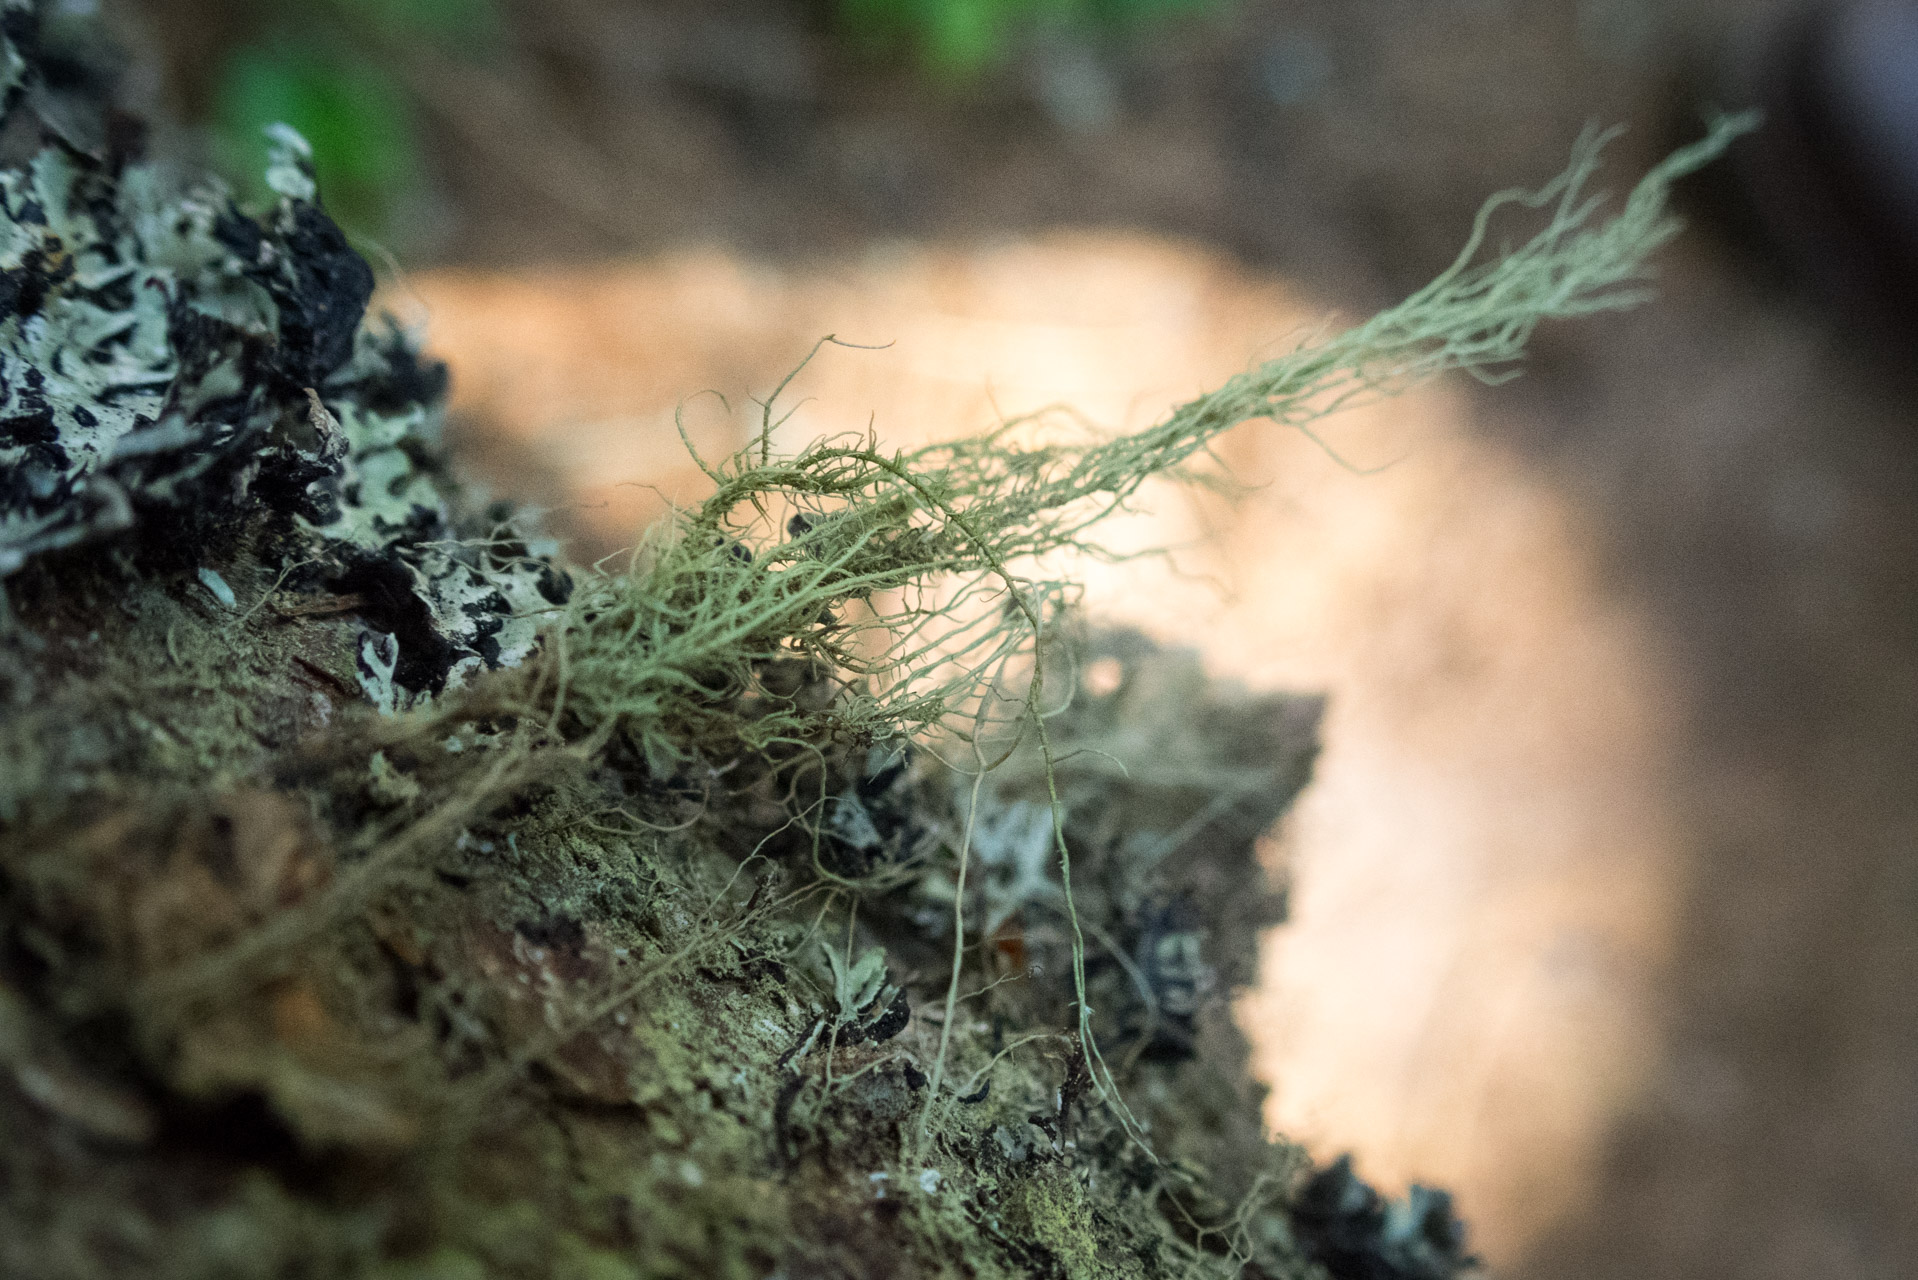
919 575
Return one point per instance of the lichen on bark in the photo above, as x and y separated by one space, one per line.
379 898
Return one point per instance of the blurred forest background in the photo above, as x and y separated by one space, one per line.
1606 901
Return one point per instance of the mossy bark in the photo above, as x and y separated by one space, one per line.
554 1040
559 1040
295 984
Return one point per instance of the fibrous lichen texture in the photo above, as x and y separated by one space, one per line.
811 894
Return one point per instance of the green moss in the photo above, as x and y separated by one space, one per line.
444 1264
1050 1210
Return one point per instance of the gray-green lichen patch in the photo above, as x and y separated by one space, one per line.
170 366
483 598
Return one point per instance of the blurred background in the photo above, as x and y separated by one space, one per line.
1606 897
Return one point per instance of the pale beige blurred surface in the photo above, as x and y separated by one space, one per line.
590 371
1482 866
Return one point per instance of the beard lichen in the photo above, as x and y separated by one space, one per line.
377 899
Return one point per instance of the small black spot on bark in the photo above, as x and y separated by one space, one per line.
782 1117
892 1021
555 931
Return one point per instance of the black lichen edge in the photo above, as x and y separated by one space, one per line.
18 26
172 368
1356 1234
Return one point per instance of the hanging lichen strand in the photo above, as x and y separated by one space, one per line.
911 577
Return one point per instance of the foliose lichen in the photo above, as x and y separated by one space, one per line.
172 366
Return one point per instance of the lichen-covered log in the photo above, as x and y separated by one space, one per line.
813 897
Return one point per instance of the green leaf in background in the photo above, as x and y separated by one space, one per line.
365 148
960 38
1121 12
956 37
318 71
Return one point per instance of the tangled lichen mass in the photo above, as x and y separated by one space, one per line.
830 533
378 898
